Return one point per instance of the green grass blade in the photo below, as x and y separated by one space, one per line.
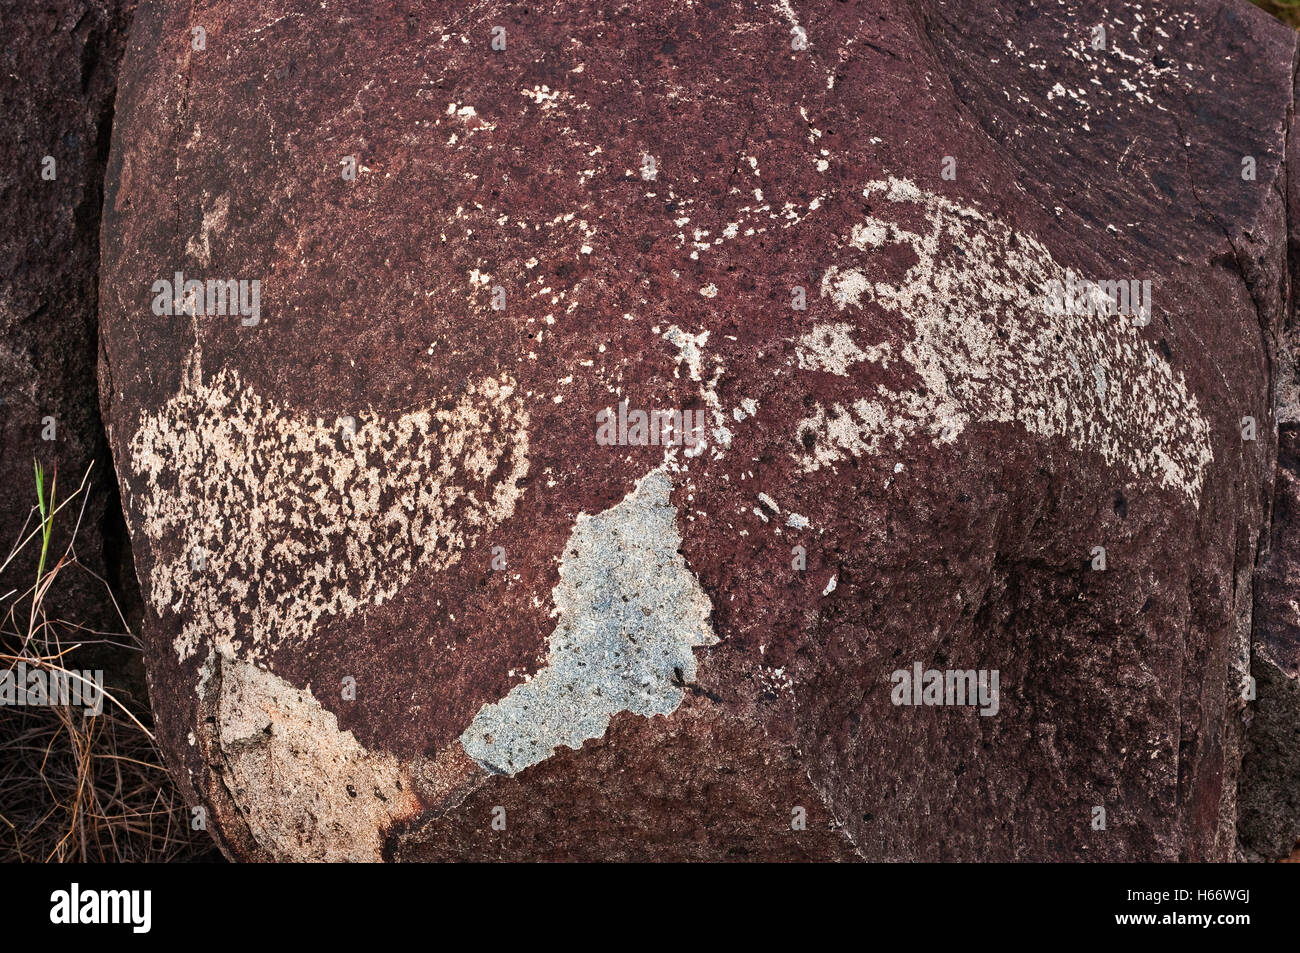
47 518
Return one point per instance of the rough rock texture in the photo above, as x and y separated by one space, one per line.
404 604
1270 785
57 83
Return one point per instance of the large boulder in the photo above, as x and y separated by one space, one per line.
417 590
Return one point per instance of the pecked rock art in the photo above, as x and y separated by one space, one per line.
562 647
988 344
630 613
282 520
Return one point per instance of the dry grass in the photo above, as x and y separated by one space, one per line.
72 787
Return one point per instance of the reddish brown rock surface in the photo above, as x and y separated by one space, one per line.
327 496
57 83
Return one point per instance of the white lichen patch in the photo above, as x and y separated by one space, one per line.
774 681
262 522
1136 64
308 790
630 614
546 97
830 348
690 351
470 117
987 347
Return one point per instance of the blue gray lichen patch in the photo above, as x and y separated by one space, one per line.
630 615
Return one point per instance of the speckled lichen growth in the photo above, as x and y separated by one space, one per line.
987 348
262 522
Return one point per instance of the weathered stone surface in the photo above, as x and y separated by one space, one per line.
1269 825
56 100
649 676
1270 784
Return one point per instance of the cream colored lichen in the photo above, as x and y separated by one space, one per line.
987 347
262 522
830 348
308 790
690 352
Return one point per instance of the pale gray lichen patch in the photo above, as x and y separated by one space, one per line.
308 790
630 614
262 521
987 347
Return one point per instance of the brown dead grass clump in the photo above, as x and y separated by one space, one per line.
76 787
